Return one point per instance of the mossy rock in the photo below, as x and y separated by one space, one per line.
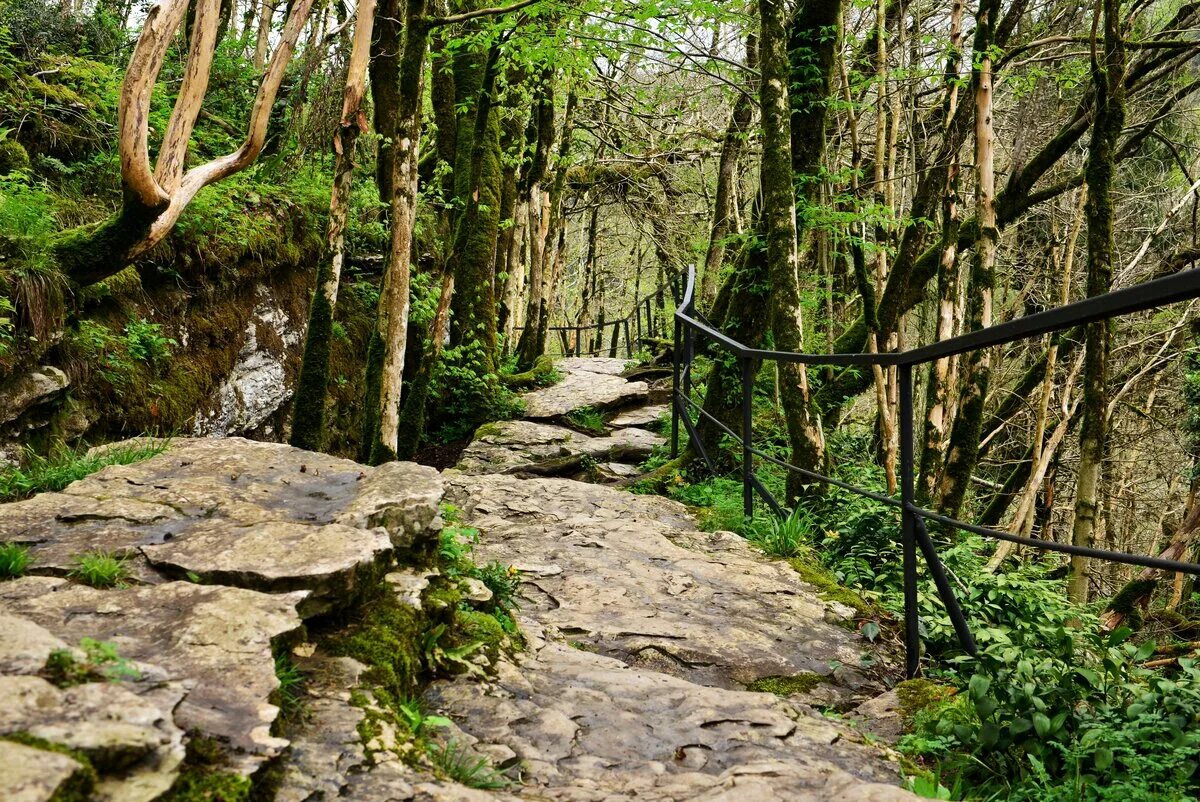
829 589
388 640
803 682
76 788
13 157
916 695
472 626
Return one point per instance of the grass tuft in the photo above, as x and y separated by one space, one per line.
473 771
100 569
587 420
65 465
14 559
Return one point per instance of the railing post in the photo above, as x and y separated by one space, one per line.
912 635
616 339
674 389
650 319
747 436
628 342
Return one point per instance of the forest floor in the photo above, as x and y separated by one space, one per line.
660 662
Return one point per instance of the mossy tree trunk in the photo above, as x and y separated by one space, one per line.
793 148
938 387
479 177
1108 76
543 258
308 414
385 358
963 451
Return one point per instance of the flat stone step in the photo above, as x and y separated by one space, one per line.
587 382
235 512
640 417
509 446
589 728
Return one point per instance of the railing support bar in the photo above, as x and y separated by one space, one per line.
674 391
945 591
912 624
747 436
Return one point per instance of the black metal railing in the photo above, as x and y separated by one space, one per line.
633 330
689 323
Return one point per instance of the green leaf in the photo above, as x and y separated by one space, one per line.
1104 758
978 686
1041 724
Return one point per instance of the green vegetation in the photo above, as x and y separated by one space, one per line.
474 771
289 696
101 662
204 778
786 685
588 420
100 569
64 465
14 559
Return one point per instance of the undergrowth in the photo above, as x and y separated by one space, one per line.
63 465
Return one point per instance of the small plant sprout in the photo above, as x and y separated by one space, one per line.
100 569
14 559
473 771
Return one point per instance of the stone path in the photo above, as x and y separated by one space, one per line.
644 633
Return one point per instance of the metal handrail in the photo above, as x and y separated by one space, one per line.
639 320
1181 286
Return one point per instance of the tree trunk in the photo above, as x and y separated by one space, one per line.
963 452
385 359
1108 75
308 416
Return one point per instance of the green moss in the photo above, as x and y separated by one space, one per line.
787 685
1132 600
200 784
78 786
308 412
542 374
472 626
388 641
829 589
13 157
919 694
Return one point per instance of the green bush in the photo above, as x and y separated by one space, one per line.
64 465
100 569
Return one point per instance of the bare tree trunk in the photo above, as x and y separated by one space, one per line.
1109 78
266 14
308 417
938 388
725 203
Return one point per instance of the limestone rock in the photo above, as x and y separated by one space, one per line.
264 516
588 728
587 382
36 775
881 716
256 387
641 416
25 645
30 390
512 445
638 582
216 641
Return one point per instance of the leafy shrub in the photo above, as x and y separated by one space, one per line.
145 341
782 537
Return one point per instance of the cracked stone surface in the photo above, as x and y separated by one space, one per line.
589 728
215 641
632 576
508 446
586 382
263 516
640 416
